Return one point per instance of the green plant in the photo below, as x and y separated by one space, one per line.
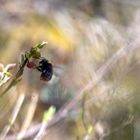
5 75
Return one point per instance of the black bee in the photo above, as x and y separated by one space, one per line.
46 69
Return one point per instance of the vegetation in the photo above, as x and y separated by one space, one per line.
93 47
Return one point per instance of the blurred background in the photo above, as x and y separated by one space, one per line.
82 36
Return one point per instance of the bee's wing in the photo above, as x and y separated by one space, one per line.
58 70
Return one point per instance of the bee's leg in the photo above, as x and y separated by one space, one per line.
39 68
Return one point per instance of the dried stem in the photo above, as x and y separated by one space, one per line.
29 116
13 116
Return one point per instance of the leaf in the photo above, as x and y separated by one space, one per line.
90 129
40 46
48 115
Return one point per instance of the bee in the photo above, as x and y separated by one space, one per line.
46 69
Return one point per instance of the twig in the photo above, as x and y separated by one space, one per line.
29 116
13 116
48 115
